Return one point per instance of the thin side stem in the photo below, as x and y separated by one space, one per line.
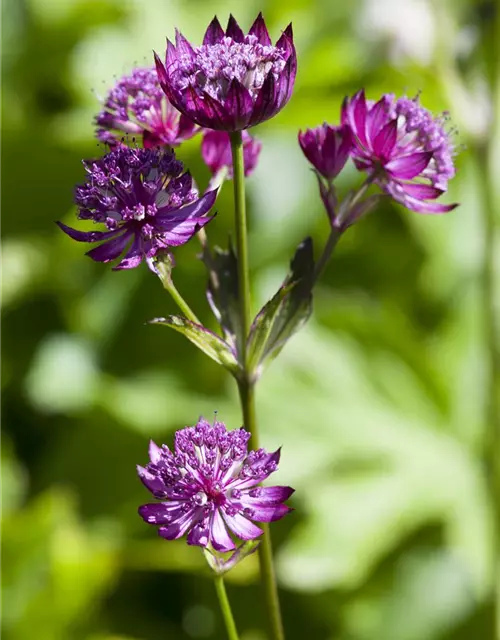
225 608
245 387
179 300
335 232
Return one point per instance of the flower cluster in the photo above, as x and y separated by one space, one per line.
210 483
403 148
143 199
407 151
232 81
137 105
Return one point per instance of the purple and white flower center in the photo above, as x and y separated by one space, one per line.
214 66
419 131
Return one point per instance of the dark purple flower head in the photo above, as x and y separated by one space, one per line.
327 148
137 105
144 200
406 149
216 152
232 81
209 484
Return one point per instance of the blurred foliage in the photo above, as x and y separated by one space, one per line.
379 403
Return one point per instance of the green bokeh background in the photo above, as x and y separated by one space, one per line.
380 402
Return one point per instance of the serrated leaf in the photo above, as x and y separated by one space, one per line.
285 313
222 293
207 341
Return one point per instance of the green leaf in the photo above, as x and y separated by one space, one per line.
222 293
285 313
210 343
262 327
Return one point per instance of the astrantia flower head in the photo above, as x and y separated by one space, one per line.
137 105
216 152
406 149
144 200
232 81
327 148
209 489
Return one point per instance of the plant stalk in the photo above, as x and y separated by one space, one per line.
225 607
245 386
179 300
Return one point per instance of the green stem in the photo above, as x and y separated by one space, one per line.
225 608
335 233
488 155
245 387
179 300
267 573
241 238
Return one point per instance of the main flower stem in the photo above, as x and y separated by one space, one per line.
245 385
241 238
225 607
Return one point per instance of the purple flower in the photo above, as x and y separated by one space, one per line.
144 200
327 148
406 149
209 484
137 105
216 152
233 81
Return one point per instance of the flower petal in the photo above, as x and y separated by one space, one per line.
195 209
238 104
204 110
425 207
160 67
219 537
183 231
286 41
421 191
152 482
159 512
408 167
242 527
183 47
270 513
259 30
264 106
214 33
233 30
134 256
385 140
268 495
87 236
154 452
376 119
110 249
286 82
179 527
199 535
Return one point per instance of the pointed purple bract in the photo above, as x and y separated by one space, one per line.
137 106
398 141
210 487
232 81
327 148
144 200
